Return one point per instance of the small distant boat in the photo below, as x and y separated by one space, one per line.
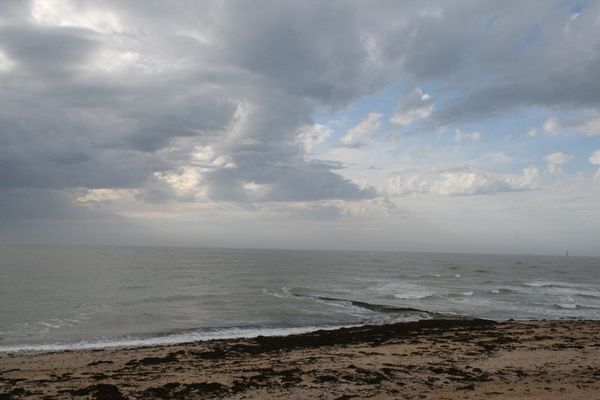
567 253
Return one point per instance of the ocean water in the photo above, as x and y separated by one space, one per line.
54 298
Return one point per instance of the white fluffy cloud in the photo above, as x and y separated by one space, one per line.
586 123
415 106
69 14
556 160
107 195
364 131
313 135
465 182
6 64
185 183
595 157
550 126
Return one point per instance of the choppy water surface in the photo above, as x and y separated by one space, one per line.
61 297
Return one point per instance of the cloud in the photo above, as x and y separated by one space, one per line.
122 102
595 160
552 69
415 106
66 13
460 136
115 107
184 183
6 64
588 124
500 157
595 157
313 135
102 96
363 132
556 160
550 126
96 196
464 182
53 52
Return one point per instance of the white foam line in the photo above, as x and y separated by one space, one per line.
194 336
162 340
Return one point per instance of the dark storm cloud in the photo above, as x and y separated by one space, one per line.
40 205
13 10
96 107
544 56
292 182
310 49
577 86
46 51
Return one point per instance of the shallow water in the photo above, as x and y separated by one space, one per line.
69 297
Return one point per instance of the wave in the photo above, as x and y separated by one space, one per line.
166 339
501 291
574 306
543 284
467 293
199 335
588 295
54 324
565 288
414 296
381 308
403 290
285 292
57 323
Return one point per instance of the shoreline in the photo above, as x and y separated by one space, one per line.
188 336
442 358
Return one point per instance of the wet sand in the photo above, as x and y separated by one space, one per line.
436 359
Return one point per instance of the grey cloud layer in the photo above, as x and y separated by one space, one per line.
109 106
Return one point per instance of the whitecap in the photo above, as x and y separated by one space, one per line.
283 293
413 296
542 284
176 338
403 290
467 293
500 291
56 323
572 306
189 336
569 306
565 288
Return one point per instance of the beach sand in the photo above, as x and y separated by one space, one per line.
435 359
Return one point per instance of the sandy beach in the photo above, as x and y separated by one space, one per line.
434 359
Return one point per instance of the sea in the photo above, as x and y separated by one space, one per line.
60 298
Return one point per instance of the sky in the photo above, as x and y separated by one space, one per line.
451 126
